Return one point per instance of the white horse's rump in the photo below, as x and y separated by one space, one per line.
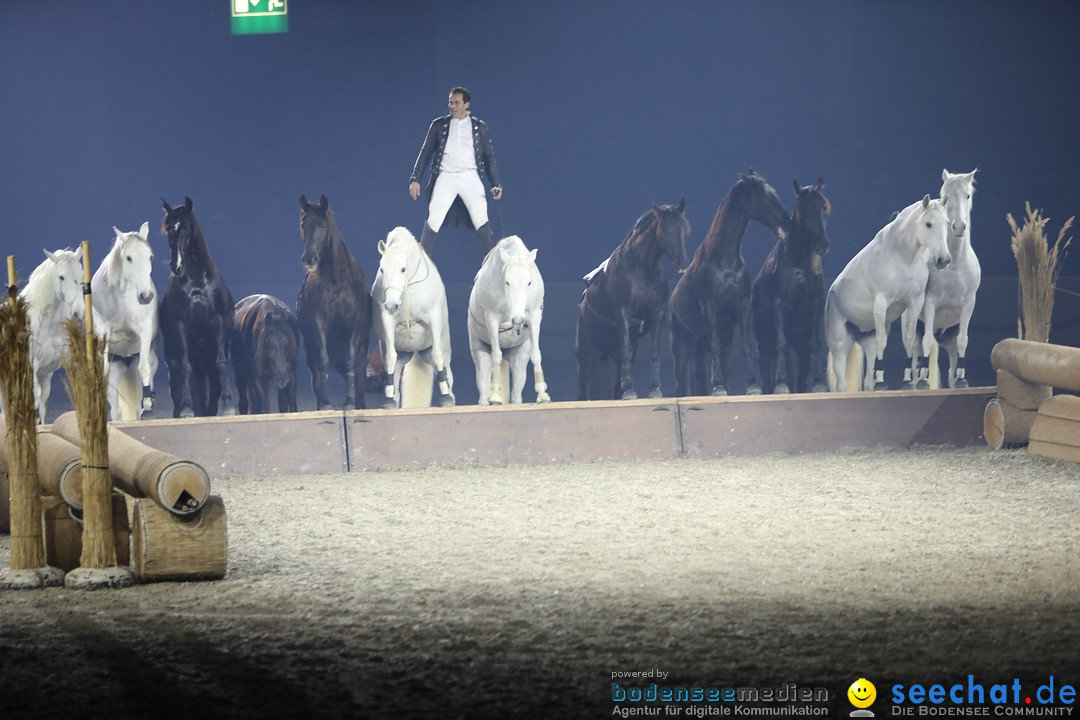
884 279
53 294
411 314
126 315
950 292
505 309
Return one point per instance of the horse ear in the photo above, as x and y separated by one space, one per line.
944 174
944 201
532 255
382 247
165 204
682 206
187 204
504 256
323 203
303 202
926 201
797 186
48 254
117 231
820 184
144 231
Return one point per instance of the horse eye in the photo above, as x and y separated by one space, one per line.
929 224
129 259
61 278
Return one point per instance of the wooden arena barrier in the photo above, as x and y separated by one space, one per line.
179 547
63 532
179 486
1027 374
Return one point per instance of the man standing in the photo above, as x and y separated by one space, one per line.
459 148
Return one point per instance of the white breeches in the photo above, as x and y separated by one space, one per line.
450 185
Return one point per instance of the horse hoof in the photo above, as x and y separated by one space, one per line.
719 392
629 395
753 390
819 387
781 389
961 383
655 392
881 386
922 385
388 404
187 413
906 385
349 406
448 401
543 398
493 401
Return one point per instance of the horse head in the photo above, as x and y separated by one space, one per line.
932 229
64 293
180 227
517 276
760 202
958 188
315 221
811 210
278 345
673 227
130 262
398 265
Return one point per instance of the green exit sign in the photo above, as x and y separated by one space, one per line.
254 17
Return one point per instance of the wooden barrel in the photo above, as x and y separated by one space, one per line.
1005 425
165 546
63 532
179 486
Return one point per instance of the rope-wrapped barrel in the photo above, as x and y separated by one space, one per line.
180 486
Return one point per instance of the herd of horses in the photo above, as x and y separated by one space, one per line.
920 268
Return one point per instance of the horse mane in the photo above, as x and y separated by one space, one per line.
735 193
40 290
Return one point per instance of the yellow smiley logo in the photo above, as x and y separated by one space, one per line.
862 693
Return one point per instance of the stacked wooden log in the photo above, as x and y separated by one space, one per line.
1026 411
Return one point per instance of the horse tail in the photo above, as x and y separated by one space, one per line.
935 369
854 371
129 394
417 379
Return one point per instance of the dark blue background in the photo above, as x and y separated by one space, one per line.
596 108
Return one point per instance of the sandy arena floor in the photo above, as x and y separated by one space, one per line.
519 592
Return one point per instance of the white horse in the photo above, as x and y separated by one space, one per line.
884 279
411 314
126 315
950 292
53 294
505 308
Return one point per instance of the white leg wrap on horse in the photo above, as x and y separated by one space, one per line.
960 373
444 387
907 374
879 375
390 391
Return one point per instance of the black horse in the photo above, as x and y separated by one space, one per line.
712 297
196 316
789 297
626 299
265 341
333 307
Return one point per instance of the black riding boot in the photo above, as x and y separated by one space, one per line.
427 239
486 238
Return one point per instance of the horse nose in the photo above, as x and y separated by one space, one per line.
959 229
943 261
145 298
391 306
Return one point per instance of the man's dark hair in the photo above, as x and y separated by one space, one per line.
465 96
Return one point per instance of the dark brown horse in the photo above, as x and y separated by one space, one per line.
196 316
712 297
265 341
789 297
625 300
334 306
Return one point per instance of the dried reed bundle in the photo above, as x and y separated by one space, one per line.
1039 265
86 385
16 382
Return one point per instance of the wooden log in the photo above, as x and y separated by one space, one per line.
1004 424
179 486
63 532
1021 393
60 469
179 547
1040 363
1056 430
